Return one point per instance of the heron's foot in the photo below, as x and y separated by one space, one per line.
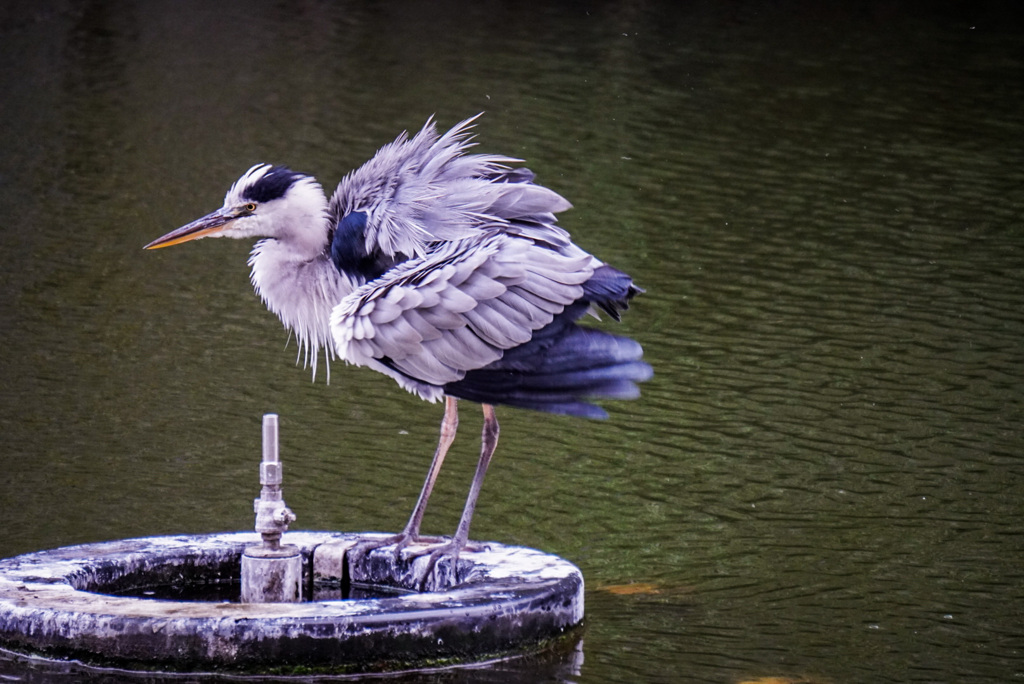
440 567
358 553
419 563
366 566
428 573
404 540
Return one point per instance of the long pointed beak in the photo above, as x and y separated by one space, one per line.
200 228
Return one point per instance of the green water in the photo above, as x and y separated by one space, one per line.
824 204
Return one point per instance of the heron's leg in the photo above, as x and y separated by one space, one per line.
449 425
488 443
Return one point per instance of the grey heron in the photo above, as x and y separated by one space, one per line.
443 270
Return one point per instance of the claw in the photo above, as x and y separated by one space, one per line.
432 568
358 554
404 562
426 571
421 564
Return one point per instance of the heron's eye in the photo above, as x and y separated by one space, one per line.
250 207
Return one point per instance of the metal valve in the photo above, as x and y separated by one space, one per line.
272 516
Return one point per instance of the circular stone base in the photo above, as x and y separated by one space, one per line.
59 603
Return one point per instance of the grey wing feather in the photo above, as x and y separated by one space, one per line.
456 309
418 190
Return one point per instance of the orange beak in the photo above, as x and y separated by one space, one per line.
208 225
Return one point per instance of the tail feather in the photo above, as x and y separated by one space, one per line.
559 373
564 366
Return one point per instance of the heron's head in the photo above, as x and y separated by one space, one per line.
267 201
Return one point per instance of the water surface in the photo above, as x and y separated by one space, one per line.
824 478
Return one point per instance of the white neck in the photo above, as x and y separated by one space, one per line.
301 292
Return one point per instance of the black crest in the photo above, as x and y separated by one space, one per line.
273 185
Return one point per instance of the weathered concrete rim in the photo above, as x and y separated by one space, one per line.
512 598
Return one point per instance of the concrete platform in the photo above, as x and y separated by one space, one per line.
60 604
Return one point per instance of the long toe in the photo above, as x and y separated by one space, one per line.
435 568
403 561
414 545
357 557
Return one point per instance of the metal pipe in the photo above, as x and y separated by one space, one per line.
271 572
272 516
